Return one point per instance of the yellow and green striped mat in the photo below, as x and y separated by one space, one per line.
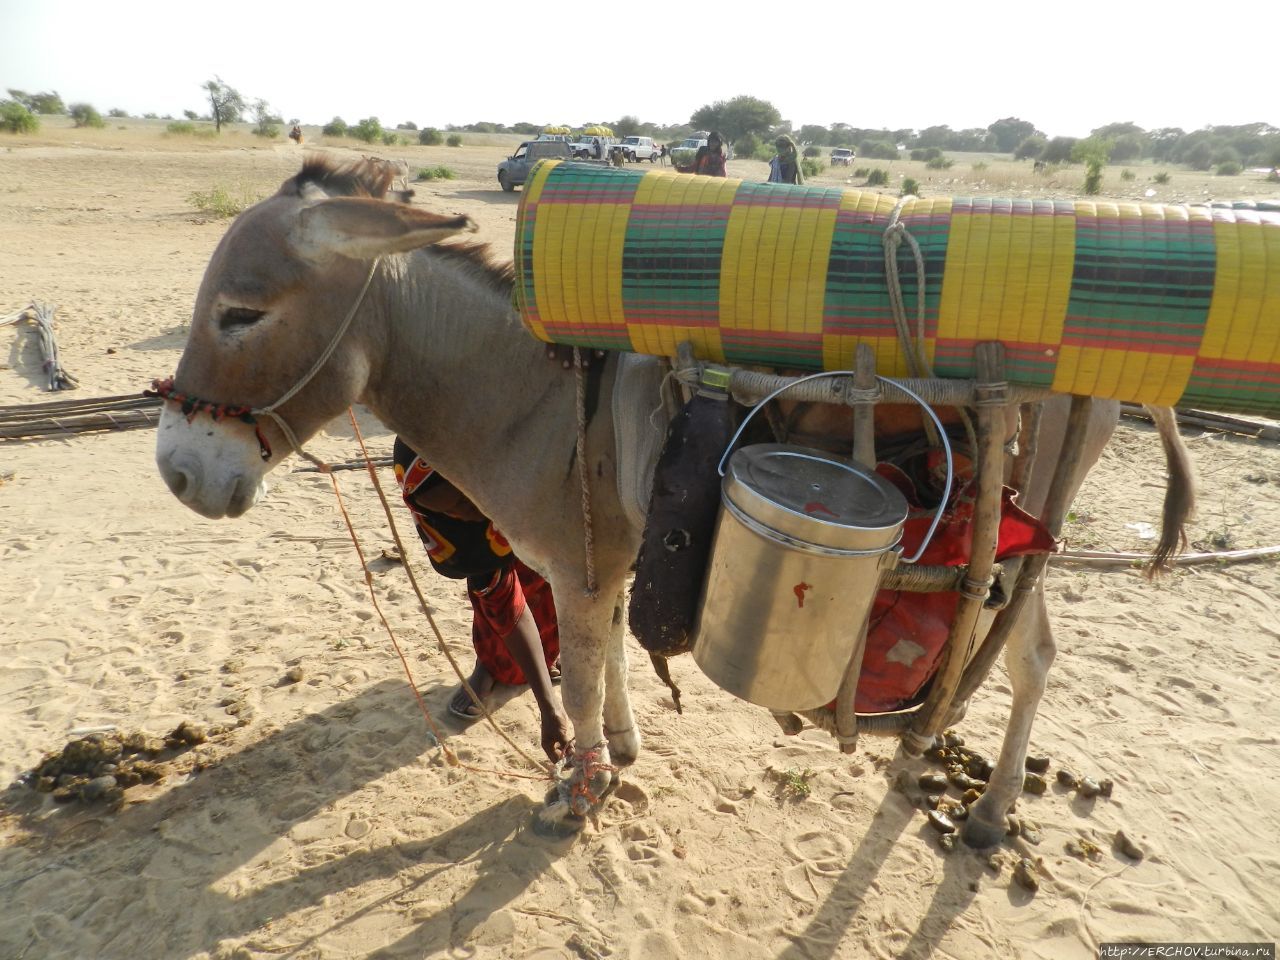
1147 303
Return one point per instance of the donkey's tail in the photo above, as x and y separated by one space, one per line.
1179 494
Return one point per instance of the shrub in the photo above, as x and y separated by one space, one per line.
1229 168
979 166
938 163
436 173
390 139
877 177
267 130
337 127
16 118
811 167
430 137
181 128
223 201
812 152
454 140
1127 175
85 115
1273 176
862 171
117 112
369 130
917 154
1161 177
910 188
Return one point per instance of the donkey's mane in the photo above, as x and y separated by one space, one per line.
478 259
366 177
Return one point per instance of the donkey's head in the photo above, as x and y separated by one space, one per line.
289 276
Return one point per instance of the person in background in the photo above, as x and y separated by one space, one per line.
662 155
785 165
513 629
710 159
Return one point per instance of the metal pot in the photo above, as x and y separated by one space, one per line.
800 540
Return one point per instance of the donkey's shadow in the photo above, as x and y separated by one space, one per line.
126 882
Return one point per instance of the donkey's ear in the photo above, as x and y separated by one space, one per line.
362 228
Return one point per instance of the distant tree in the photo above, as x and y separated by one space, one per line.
16 118
117 112
741 115
1128 146
1058 150
1031 147
626 126
407 125
526 129
225 102
267 123
48 102
1200 156
85 115
430 137
337 127
1010 132
1164 140
815 133
939 136
1112 131
369 130
453 140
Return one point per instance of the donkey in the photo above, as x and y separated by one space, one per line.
329 276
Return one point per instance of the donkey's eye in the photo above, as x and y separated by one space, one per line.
233 317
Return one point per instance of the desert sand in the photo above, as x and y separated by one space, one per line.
323 821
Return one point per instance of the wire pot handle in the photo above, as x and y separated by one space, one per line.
946 442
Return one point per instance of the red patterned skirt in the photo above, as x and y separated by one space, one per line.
498 601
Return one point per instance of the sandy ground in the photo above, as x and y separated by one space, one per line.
324 822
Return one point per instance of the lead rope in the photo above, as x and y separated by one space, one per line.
422 601
270 409
584 474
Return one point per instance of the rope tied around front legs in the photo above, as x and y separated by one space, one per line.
577 791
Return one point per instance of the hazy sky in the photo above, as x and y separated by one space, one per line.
1066 67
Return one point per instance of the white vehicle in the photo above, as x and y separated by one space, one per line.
639 148
842 157
585 149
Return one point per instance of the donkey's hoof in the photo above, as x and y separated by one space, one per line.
554 821
624 747
981 834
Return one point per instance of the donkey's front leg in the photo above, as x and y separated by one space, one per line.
619 721
1028 656
585 625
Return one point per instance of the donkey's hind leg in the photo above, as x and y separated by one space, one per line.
619 721
1028 656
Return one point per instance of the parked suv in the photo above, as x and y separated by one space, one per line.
514 170
842 157
639 148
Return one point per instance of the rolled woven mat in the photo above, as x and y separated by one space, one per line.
1148 303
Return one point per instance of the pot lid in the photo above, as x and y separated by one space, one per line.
815 496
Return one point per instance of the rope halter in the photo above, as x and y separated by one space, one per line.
191 406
